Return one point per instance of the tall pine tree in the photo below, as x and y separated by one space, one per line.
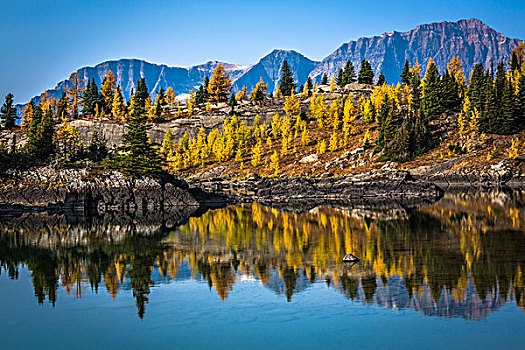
286 83
431 102
138 155
405 75
8 112
366 75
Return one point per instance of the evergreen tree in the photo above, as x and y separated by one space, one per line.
324 81
206 95
520 103
508 110
340 79
392 124
91 98
405 75
160 102
138 155
309 85
34 125
366 75
451 93
415 83
381 79
499 84
348 73
40 136
232 103
220 85
477 88
8 112
142 92
286 83
489 120
382 117
200 96
431 102
63 107
97 149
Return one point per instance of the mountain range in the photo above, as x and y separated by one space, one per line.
470 39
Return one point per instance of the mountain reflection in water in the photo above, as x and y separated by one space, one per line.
460 257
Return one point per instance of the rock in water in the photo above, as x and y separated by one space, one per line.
350 258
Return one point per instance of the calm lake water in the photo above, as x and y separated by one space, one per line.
443 275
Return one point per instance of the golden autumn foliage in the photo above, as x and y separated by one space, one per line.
220 85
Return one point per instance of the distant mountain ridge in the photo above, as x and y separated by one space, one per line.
470 39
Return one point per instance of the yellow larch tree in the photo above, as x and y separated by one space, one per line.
319 111
335 114
256 154
118 106
220 85
107 91
74 92
321 147
258 93
291 105
278 93
171 99
274 163
242 94
333 84
191 102
333 142
27 115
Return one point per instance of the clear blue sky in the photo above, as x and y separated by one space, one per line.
42 42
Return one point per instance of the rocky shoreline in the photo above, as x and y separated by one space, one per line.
78 190
82 191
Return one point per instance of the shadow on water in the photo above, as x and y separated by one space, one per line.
459 257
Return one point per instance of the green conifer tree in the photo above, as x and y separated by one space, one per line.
381 79
138 155
91 98
324 81
339 80
520 103
287 83
431 102
63 107
8 112
405 75
477 88
366 75
348 73
160 103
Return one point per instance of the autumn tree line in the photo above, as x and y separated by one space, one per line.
397 118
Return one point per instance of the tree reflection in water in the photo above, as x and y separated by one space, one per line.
460 257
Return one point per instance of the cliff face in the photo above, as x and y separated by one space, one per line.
470 39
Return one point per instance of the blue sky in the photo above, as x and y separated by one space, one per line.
42 42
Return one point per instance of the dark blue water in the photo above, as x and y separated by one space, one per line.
448 275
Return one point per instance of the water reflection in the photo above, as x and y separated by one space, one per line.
460 257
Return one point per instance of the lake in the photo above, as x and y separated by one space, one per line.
441 275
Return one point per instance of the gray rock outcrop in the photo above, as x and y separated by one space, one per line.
78 190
